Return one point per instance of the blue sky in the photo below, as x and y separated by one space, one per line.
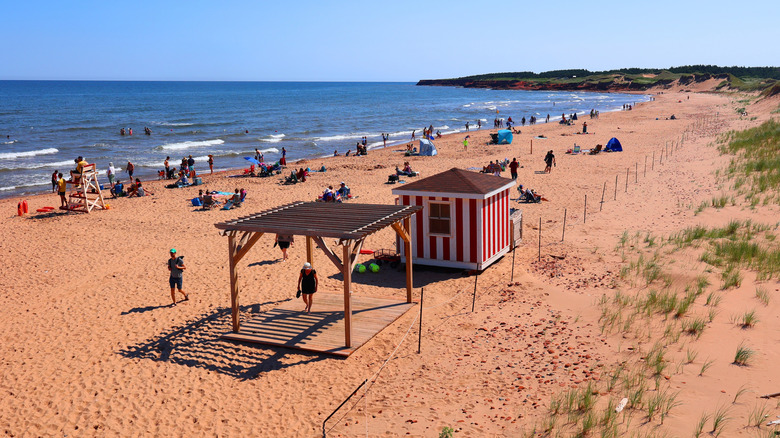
373 41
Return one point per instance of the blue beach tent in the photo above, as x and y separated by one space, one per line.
613 145
427 148
504 136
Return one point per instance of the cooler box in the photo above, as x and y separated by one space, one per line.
198 181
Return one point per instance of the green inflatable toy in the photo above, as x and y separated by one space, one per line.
360 268
373 267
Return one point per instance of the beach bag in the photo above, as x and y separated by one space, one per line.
392 178
196 202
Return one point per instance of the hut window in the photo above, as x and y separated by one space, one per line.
439 218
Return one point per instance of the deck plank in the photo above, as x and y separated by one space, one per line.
322 330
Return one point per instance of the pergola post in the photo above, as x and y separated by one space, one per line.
346 271
309 252
408 252
233 282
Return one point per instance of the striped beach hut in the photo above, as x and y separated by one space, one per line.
465 221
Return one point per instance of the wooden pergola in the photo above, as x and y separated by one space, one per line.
349 223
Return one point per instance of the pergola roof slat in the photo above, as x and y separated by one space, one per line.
341 221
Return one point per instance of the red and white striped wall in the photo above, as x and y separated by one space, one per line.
479 230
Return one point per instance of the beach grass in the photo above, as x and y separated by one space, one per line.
699 429
749 319
744 389
744 355
705 366
719 420
758 414
762 295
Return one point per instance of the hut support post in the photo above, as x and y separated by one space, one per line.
309 252
405 233
408 252
347 273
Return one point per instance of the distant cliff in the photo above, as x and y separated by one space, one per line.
616 83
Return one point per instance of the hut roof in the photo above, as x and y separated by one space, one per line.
458 181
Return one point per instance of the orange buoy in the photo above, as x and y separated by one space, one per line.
24 206
19 209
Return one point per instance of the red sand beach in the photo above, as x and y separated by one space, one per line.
91 347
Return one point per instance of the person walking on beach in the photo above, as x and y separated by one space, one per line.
413 131
176 266
479 125
466 144
584 127
284 242
211 163
54 180
61 188
307 285
129 169
283 161
513 168
467 126
549 160
111 173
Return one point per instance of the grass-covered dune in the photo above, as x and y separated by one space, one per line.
746 79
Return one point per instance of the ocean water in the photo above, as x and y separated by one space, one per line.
44 125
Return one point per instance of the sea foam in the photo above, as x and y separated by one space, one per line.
191 144
273 138
15 155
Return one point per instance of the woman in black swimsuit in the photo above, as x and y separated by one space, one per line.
307 285
284 242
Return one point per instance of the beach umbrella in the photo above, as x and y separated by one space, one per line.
252 160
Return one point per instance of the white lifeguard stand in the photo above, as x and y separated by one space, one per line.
86 194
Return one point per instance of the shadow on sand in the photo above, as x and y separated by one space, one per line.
197 344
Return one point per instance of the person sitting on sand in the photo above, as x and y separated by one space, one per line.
118 189
183 180
140 189
301 175
132 190
528 195
236 199
343 193
328 195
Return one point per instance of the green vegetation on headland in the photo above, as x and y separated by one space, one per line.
627 79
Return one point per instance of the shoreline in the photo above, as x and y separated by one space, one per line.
104 179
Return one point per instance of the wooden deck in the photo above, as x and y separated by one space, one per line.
322 330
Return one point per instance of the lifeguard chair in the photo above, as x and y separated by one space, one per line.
86 194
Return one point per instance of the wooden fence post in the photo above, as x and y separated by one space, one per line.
563 234
627 169
419 337
603 190
540 238
585 210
